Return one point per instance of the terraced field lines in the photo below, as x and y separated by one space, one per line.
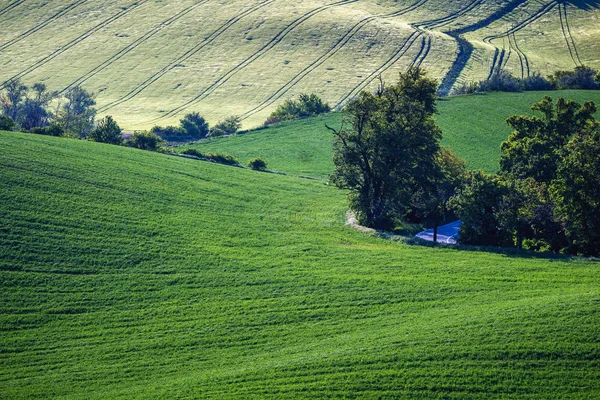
186 55
406 45
10 6
272 43
106 63
330 53
566 30
42 25
74 42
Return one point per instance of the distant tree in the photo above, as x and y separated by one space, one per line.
107 131
582 77
389 148
257 164
229 126
35 109
307 105
78 113
12 99
576 192
195 125
6 123
146 141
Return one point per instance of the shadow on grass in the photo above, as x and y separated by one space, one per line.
582 4
511 252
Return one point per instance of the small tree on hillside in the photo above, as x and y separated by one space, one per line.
107 131
12 99
389 148
195 125
77 114
229 126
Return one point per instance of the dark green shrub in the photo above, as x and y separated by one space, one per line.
6 123
167 131
192 152
581 77
222 158
307 105
51 130
107 131
194 125
229 126
257 164
146 141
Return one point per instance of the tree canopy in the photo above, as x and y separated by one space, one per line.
386 148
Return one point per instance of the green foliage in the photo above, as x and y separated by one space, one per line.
195 125
547 176
257 164
6 123
389 149
307 105
581 77
201 281
429 202
146 141
229 126
167 131
576 191
477 204
107 131
78 113
12 98
216 157
53 129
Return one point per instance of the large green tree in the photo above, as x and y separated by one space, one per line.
576 192
386 148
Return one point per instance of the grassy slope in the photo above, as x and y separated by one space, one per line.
132 274
145 58
473 127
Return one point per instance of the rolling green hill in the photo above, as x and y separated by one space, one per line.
130 274
473 127
150 61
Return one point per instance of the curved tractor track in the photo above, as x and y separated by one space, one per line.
42 25
74 42
185 56
405 46
499 62
566 29
124 51
274 41
10 6
343 41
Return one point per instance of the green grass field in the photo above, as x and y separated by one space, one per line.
149 62
473 126
130 274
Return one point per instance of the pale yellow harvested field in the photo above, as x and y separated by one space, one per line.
150 61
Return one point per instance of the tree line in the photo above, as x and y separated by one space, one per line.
546 196
582 77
